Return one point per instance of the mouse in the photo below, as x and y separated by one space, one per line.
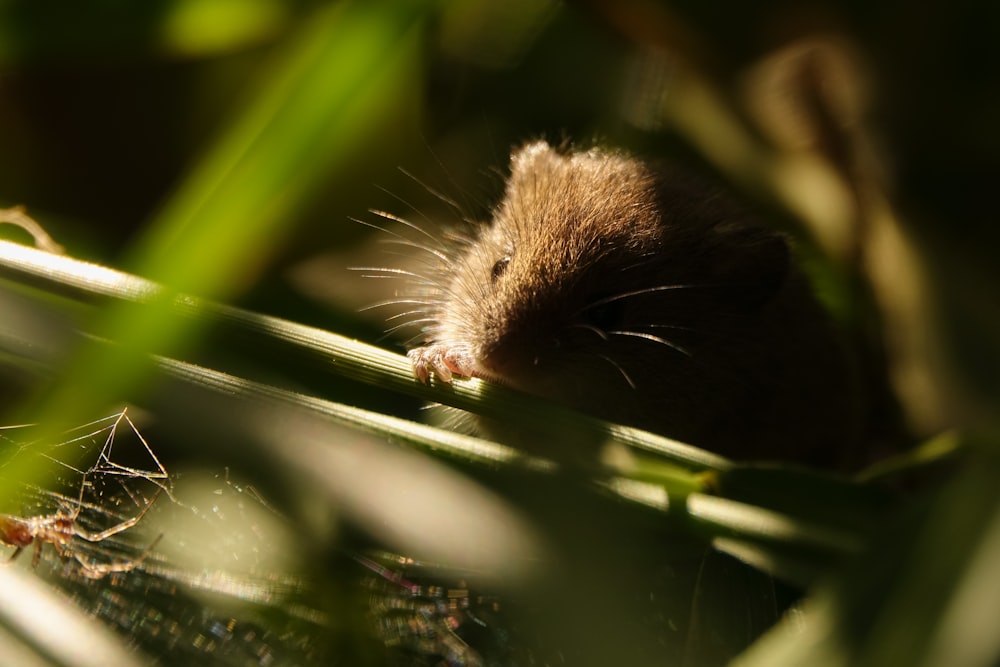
634 292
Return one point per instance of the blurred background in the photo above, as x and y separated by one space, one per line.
235 151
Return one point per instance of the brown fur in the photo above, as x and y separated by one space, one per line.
638 295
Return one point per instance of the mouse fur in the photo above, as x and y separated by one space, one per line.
635 293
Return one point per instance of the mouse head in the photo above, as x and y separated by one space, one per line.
595 255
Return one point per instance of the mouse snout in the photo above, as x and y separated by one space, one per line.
517 346
506 354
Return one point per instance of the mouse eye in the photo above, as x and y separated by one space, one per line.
499 268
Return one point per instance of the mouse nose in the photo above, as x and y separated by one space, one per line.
501 356
516 349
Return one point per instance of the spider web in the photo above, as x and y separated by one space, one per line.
213 591
219 588
103 472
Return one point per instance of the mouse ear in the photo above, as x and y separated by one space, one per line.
753 270
530 157
530 167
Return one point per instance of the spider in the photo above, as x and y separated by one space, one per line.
60 528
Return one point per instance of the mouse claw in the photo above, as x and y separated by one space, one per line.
441 360
421 369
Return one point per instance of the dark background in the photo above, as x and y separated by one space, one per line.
107 111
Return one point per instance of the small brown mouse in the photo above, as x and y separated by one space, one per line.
638 295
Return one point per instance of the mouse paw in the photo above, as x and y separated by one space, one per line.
442 360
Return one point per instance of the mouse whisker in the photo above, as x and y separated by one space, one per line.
651 337
408 205
424 284
639 292
386 272
618 367
372 225
649 259
458 238
679 327
409 313
411 341
590 327
400 220
385 215
430 247
393 302
440 196
409 323
702 331
423 268
719 331
411 277
409 243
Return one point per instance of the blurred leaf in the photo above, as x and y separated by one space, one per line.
208 27
805 493
793 549
733 605
493 34
936 452
926 594
52 31
311 116
37 627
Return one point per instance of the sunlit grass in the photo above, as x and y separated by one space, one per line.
895 563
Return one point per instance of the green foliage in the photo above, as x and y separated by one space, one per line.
213 149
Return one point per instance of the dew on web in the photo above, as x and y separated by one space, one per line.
433 613
93 500
184 565
204 569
